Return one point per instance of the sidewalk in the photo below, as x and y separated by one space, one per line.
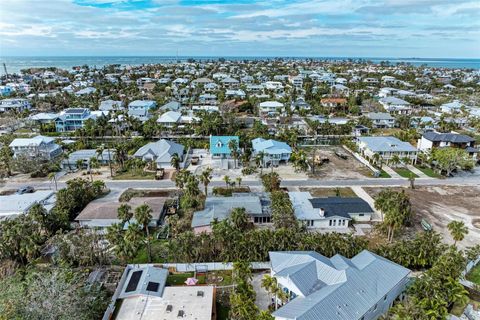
377 216
419 173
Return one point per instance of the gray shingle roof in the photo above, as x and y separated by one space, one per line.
447 137
160 151
343 207
344 289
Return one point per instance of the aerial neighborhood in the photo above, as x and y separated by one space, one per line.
286 189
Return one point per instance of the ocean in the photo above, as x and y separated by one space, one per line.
15 64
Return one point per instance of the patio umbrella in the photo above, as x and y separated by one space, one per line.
191 281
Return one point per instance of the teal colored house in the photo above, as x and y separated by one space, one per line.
219 146
72 119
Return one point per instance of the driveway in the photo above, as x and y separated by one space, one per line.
263 298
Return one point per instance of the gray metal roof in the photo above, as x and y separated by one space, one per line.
220 207
387 144
138 280
160 151
344 289
380 116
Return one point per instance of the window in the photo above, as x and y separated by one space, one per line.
361 214
334 222
330 223
385 298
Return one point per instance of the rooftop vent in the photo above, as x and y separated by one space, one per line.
169 308
200 294
180 314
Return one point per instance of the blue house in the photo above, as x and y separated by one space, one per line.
72 119
274 151
219 146
142 104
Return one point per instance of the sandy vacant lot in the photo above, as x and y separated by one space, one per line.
337 168
440 205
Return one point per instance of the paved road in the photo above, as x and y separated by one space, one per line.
372 182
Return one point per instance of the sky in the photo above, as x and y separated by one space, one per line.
311 28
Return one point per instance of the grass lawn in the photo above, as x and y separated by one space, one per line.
429 172
383 174
329 192
134 176
222 312
178 279
474 274
404 172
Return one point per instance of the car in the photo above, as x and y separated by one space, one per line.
26 189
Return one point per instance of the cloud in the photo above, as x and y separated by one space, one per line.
245 27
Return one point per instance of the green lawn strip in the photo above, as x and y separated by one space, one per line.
384 174
429 172
404 172
134 176
178 279
474 275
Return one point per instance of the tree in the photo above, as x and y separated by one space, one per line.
233 146
395 208
227 180
449 159
260 161
299 160
143 215
458 230
124 213
239 218
239 181
283 215
271 181
206 177
6 160
53 176
175 161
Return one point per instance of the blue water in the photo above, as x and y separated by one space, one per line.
15 64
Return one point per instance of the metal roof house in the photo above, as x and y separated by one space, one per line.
274 151
386 148
73 119
219 208
37 147
142 104
145 295
336 288
332 213
160 152
15 204
219 146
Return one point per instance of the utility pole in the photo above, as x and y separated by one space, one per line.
5 69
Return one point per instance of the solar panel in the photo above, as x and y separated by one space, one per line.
134 279
153 286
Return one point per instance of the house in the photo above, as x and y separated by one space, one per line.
102 214
238 93
143 291
171 106
219 146
43 117
208 98
17 105
16 204
160 152
169 119
300 104
85 156
396 105
270 108
333 102
386 148
230 83
140 114
432 139
274 152
332 213
85 91
111 105
38 147
381 119
296 81
336 288
72 119
360 130
219 208
142 104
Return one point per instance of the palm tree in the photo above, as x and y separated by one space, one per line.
227 180
125 213
53 176
239 181
79 164
395 160
143 215
268 283
239 218
458 230
205 178
259 159
233 146
175 161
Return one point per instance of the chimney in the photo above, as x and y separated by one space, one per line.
322 212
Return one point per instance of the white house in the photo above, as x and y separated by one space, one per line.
17 105
160 152
386 148
332 213
16 204
432 139
39 147
381 119
269 108
396 105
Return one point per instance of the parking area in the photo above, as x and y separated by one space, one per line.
441 204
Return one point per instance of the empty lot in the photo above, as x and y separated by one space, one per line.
440 205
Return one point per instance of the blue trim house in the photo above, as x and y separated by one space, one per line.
274 151
72 119
219 146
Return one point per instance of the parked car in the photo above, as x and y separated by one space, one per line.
26 189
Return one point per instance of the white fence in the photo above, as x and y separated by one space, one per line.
363 161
